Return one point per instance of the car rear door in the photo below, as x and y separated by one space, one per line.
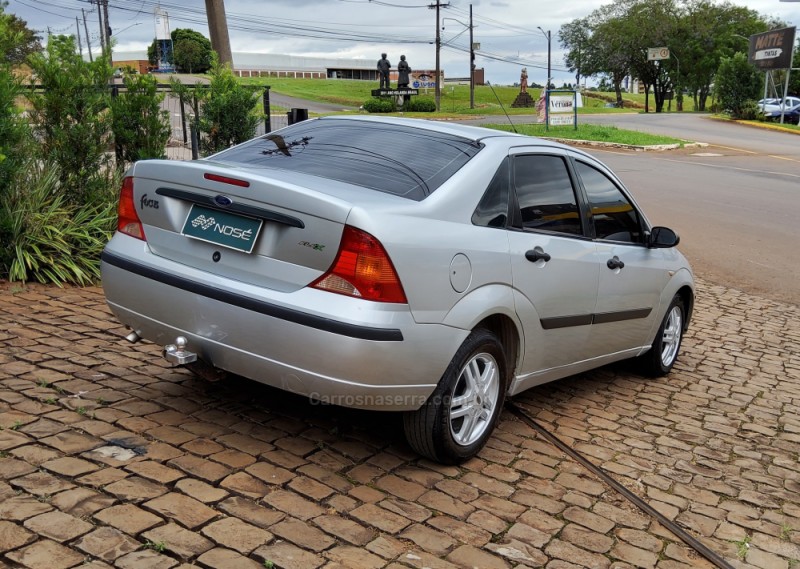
554 264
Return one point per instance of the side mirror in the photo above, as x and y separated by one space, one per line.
662 238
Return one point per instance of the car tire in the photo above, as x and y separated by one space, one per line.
663 354
459 417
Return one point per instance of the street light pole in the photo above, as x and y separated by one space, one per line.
547 35
471 55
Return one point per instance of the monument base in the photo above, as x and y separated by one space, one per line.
394 92
523 100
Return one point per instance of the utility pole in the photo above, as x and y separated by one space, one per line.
102 26
78 31
438 90
107 28
471 63
88 41
218 29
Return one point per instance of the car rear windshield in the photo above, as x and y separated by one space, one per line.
396 159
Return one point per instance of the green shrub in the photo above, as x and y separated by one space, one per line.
70 117
419 105
16 41
141 127
737 82
51 240
750 111
228 112
376 105
13 129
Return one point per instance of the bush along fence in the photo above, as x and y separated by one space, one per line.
198 126
66 142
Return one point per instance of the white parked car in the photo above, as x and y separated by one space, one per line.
774 105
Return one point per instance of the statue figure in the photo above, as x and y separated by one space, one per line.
383 71
403 69
523 80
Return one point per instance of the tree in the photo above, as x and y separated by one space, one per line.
71 116
17 41
707 32
614 39
141 127
189 55
737 84
13 129
228 112
191 51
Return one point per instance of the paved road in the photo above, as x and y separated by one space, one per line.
109 458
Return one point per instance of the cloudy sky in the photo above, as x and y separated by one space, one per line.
507 30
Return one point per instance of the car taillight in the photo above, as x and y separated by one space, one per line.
362 269
128 220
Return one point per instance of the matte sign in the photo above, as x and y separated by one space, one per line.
772 49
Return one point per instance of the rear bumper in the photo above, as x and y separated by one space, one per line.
327 347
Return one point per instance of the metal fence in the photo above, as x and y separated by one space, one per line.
182 145
182 110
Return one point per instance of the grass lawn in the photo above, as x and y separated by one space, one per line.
592 132
454 103
454 98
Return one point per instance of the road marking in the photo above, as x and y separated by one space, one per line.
735 149
783 158
726 167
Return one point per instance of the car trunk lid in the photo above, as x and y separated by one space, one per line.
241 224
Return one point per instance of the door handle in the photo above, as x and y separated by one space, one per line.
615 263
537 254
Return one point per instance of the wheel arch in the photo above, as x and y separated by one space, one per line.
687 296
506 331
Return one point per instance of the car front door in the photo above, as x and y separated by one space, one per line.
632 275
554 264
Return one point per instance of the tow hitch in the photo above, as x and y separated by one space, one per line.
177 353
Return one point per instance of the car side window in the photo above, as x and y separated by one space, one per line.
545 194
492 211
613 214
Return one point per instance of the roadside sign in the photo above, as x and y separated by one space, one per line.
772 49
562 104
561 108
562 120
657 53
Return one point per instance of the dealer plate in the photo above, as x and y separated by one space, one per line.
222 228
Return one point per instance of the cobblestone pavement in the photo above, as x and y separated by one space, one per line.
110 458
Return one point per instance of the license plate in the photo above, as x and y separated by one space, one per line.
222 228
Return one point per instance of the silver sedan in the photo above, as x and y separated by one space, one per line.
396 264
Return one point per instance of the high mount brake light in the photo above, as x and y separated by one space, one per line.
227 180
128 220
362 269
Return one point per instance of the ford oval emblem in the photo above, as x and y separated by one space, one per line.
223 201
